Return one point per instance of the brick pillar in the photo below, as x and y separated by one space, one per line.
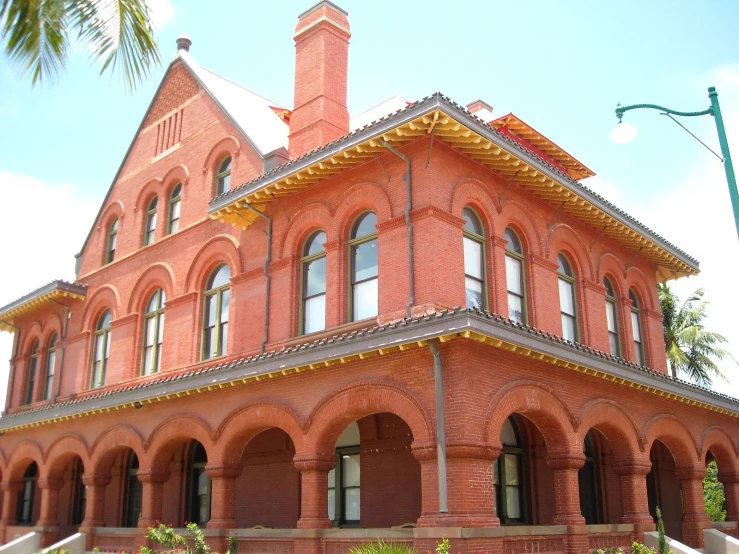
223 494
336 283
94 505
314 470
694 509
497 278
10 501
634 500
565 467
426 455
730 481
48 519
152 492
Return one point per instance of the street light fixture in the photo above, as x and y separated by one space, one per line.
625 133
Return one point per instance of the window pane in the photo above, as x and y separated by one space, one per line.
511 469
314 316
635 326
474 292
365 260
96 374
514 275
513 502
364 301
472 258
568 328
148 360
150 329
219 278
161 329
99 348
225 298
332 504
315 277
203 484
224 338
106 338
351 470
566 297
365 225
496 477
611 316
208 346
174 226
639 354
613 342
210 310
351 508
332 478
515 308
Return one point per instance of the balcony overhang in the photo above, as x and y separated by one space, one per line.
53 292
453 125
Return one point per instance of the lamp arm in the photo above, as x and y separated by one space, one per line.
621 109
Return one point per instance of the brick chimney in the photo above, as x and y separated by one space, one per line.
321 63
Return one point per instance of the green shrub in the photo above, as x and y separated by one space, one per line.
381 547
233 545
639 548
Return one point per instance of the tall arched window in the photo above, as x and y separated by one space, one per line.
215 315
363 260
588 479
154 333
24 513
636 329
112 240
50 365
151 222
507 476
223 177
173 220
199 486
314 284
32 366
611 318
101 350
514 277
133 493
567 299
474 259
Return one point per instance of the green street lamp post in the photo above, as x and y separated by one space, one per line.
625 132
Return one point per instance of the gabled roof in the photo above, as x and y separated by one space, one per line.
455 126
54 291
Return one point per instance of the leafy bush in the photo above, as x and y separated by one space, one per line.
381 547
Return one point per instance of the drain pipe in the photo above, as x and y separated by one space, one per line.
267 261
62 347
409 225
440 426
11 378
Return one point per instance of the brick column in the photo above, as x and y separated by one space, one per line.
223 494
10 501
94 505
48 516
634 499
426 455
497 279
730 481
152 491
314 470
565 467
694 509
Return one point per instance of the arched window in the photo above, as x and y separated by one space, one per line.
223 177
133 493
101 350
567 299
474 260
514 277
611 318
79 495
199 486
588 479
364 267
215 315
507 476
314 284
24 513
154 333
173 221
151 222
112 240
31 383
636 329
50 365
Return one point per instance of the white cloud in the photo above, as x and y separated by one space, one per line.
161 12
45 225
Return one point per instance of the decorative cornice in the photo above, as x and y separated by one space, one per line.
438 213
282 263
249 275
181 299
125 320
535 259
592 285
392 223
314 462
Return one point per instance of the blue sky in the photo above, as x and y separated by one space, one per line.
560 66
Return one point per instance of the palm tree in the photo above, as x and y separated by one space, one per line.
119 32
690 348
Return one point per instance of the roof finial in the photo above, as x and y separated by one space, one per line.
184 42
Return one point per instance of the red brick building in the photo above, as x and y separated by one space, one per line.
307 330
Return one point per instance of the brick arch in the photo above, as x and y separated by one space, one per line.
26 452
219 249
513 214
362 197
471 192
110 444
332 414
242 425
146 193
563 238
308 219
539 404
62 451
635 279
157 275
33 334
671 431
227 146
104 298
609 265
720 444
615 423
172 434
176 174
51 324
115 209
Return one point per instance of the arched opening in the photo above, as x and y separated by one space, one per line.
29 497
714 495
72 498
268 489
600 485
197 508
132 490
663 489
508 475
376 481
